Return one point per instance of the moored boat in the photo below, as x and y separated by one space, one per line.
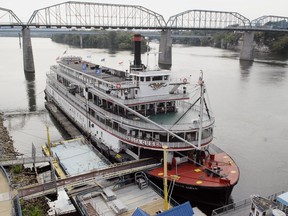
132 114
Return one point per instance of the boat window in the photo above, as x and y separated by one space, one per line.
148 79
142 79
157 78
166 77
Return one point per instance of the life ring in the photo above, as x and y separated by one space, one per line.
185 80
118 85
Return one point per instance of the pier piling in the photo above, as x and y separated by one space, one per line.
165 50
28 59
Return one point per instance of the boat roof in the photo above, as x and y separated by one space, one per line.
101 72
263 204
283 198
77 157
130 196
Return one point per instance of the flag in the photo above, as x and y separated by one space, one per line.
120 62
103 59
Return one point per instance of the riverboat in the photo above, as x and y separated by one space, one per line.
133 114
262 206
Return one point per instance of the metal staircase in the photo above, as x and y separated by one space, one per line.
141 180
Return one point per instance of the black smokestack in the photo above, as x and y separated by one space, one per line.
137 50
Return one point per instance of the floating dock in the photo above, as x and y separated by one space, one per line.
75 156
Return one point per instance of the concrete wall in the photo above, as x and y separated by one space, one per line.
28 59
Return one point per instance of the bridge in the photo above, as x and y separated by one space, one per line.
98 16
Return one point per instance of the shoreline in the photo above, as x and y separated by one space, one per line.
18 176
6 142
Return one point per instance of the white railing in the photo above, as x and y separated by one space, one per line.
139 125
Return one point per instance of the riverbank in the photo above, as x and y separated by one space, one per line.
6 143
19 176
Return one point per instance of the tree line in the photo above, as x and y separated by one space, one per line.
276 43
114 40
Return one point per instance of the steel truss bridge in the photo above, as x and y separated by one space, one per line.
74 14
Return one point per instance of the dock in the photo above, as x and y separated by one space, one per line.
122 199
62 120
85 157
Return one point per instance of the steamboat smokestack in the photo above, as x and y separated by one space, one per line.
137 50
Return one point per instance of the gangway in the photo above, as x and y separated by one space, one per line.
113 171
24 160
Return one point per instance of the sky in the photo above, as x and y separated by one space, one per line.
251 9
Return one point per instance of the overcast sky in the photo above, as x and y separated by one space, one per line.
251 9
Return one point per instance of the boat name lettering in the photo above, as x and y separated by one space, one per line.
158 85
186 187
144 142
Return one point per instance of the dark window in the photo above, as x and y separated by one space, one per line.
142 79
157 78
148 79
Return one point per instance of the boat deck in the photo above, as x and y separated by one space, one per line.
100 72
190 174
124 201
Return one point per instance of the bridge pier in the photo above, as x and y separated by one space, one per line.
165 50
247 51
27 51
81 41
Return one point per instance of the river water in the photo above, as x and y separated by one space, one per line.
249 100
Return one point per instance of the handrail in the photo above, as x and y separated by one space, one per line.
129 123
139 124
238 205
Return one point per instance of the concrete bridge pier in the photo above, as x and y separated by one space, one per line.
247 51
165 50
28 59
81 41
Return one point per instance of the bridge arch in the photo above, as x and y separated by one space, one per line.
8 18
205 19
96 15
270 22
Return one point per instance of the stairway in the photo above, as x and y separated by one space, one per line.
141 180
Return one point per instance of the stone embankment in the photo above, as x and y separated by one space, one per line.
6 142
